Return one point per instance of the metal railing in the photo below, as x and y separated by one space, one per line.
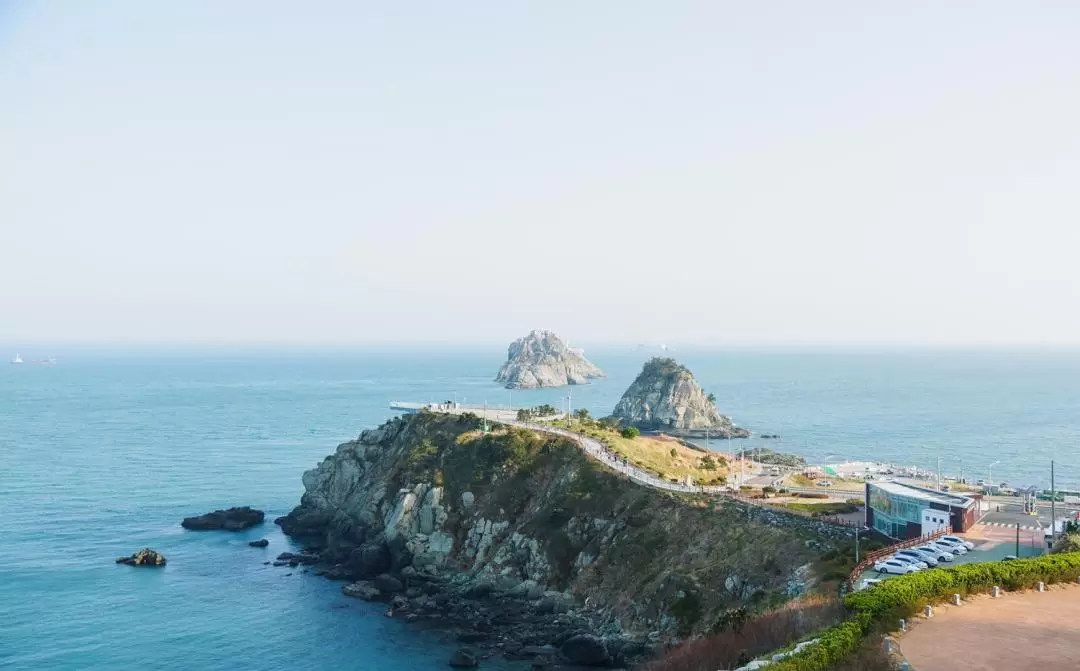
871 558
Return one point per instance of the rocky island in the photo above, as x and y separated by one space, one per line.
666 397
542 359
524 546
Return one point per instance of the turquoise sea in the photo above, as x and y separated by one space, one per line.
105 452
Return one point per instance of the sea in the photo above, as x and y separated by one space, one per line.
106 451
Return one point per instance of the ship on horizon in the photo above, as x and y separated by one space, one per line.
17 359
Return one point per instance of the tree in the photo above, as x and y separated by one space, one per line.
674 453
711 398
708 463
630 432
524 414
582 415
545 410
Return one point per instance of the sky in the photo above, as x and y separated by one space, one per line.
710 173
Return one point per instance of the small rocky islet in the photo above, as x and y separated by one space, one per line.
231 519
543 359
144 557
666 397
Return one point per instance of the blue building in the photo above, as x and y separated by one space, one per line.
903 511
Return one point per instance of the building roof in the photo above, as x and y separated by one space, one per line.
901 489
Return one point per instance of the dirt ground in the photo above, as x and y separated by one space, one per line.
1016 631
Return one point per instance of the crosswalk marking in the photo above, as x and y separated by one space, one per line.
1012 526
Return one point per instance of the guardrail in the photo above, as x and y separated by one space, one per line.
871 557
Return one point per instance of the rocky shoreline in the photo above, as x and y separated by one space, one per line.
516 544
515 620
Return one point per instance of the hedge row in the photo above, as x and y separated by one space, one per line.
904 595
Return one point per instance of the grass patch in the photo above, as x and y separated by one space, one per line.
667 457
819 509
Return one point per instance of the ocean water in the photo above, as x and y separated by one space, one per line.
103 454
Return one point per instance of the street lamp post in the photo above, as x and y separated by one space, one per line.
990 474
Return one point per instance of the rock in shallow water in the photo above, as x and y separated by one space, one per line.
463 658
362 590
586 650
261 543
144 557
233 519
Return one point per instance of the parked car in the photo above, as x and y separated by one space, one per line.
937 553
956 539
824 483
894 566
910 560
925 557
954 548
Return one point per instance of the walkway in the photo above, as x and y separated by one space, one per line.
592 447
1026 630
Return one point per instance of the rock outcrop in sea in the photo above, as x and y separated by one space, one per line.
524 546
144 557
542 359
666 397
233 519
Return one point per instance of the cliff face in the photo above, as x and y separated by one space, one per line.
542 359
514 526
665 396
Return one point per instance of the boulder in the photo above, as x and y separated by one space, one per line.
304 522
463 658
542 359
362 590
297 559
261 543
233 519
388 584
369 560
144 557
585 649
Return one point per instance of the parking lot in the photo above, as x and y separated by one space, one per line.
990 545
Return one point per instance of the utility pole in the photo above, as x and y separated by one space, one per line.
1053 506
939 473
569 408
1017 540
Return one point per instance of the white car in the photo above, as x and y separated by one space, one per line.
937 553
918 555
917 563
959 541
894 566
950 547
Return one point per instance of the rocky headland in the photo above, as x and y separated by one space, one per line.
666 397
542 359
516 543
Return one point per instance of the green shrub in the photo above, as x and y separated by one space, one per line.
687 610
630 432
905 595
708 463
768 489
833 645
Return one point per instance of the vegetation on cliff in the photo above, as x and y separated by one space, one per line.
511 511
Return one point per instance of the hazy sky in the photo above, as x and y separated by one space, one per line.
681 172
